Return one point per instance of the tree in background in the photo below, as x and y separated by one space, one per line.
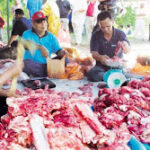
127 18
3 9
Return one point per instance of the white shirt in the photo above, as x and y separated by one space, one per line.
76 8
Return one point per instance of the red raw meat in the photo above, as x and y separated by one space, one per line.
65 117
15 146
87 133
67 141
86 87
5 119
87 114
38 83
64 95
3 144
145 91
112 117
38 130
87 94
75 95
147 78
20 125
135 84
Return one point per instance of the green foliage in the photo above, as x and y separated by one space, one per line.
3 8
126 18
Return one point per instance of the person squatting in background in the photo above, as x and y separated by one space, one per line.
21 25
51 10
45 44
103 45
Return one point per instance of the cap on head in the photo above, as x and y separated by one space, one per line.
38 15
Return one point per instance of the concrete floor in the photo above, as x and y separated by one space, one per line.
136 45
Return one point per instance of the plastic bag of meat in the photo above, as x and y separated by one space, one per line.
144 60
119 48
114 62
74 71
140 70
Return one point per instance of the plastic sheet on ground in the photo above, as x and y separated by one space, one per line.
73 85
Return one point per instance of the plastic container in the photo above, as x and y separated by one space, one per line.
114 78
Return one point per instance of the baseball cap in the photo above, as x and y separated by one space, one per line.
38 16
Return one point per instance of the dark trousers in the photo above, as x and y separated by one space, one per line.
35 69
3 106
96 74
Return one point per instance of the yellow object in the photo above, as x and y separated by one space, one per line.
20 53
72 52
53 20
141 70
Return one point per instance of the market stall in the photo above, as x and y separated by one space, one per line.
65 114
77 114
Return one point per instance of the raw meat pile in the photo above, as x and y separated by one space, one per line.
130 105
50 120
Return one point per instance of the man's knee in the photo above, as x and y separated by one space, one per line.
95 76
35 69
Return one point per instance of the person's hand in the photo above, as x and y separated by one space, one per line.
44 51
11 94
125 47
103 59
8 45
81 11
61 53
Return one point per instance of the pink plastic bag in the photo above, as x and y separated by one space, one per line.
64 36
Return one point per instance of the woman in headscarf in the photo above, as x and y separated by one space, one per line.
51 10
